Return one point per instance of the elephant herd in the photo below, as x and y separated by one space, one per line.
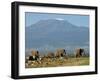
60 53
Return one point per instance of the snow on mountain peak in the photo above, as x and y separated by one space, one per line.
60 19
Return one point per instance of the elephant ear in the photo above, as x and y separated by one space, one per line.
37 52
83 50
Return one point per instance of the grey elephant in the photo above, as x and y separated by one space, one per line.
60 53
35 55
50 55
79 52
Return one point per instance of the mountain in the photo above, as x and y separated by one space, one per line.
52 33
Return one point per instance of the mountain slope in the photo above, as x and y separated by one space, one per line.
54 33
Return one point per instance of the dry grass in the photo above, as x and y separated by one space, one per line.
71 61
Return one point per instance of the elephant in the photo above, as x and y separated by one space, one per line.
79 52
34 56
60 53
50 55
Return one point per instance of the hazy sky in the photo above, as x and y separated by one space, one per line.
78 20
